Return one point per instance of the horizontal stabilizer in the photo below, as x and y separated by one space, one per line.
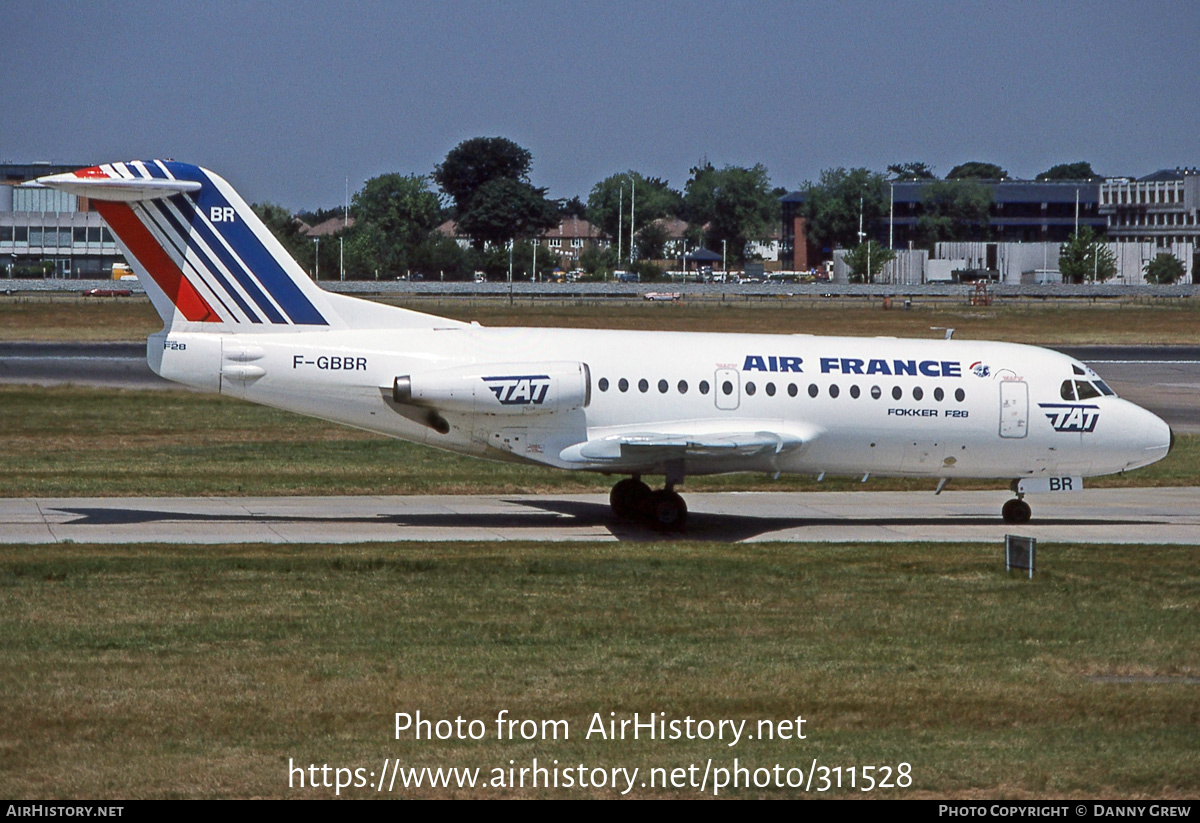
118 189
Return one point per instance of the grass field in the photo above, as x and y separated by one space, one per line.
164 671
1058 322
180 671
72 441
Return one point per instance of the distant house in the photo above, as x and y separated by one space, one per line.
326 227
450 229
571 237
675 231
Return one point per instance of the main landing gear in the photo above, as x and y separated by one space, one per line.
1016 511
631 499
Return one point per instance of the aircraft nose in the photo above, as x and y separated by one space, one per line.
1157 437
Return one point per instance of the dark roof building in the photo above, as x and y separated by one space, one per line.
1024 211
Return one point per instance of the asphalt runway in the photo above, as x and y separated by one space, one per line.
1163 379
1140 516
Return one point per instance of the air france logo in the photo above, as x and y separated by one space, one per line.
1068 417
980 369
773 363
519 390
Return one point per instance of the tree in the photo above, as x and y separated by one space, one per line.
655 199
734 204
475 162
394 216
1069 171
402 207
1164 268
504 209
953 210
598 262
573 208
1083 258
866 260
912 171
974 168
832 207
286 229
651 241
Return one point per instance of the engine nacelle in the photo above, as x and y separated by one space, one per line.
499 388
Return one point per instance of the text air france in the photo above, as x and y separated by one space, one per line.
855 365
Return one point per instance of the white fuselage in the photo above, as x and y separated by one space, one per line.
883 406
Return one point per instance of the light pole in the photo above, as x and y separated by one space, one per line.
317 258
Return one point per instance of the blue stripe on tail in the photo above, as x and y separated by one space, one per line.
261 263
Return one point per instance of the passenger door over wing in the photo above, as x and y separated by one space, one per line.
727 389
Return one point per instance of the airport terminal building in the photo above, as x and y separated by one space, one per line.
46 230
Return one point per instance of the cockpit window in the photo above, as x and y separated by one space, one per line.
1086 390
1104 389
1078 369
1067 390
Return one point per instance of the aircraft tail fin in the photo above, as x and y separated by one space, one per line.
206 260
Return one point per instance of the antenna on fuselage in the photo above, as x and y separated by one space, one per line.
949 332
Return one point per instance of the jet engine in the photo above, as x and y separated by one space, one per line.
498 388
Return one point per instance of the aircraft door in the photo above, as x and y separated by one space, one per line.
727 389
1014 408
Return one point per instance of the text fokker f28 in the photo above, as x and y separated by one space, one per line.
242 318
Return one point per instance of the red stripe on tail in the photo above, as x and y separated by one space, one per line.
137 238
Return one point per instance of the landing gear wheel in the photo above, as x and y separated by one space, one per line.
1016 511
668 511
629 498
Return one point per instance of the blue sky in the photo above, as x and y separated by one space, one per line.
288 100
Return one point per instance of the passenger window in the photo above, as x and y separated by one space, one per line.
1086 391
727 387
1067 390
960 395
750 388
854 392
792 390
662 386
704 387
770 390
623 384
938 394
897 393
683 387
833 390
603 384
876 392
643 385
917 393
812 390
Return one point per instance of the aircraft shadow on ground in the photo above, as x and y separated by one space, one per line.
566 515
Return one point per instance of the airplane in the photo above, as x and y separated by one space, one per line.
240 317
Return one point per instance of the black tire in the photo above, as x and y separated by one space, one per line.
668 511
628 498
1016 511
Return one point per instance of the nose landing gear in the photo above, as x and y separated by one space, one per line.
631 499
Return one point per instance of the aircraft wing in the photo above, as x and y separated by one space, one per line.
652 448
